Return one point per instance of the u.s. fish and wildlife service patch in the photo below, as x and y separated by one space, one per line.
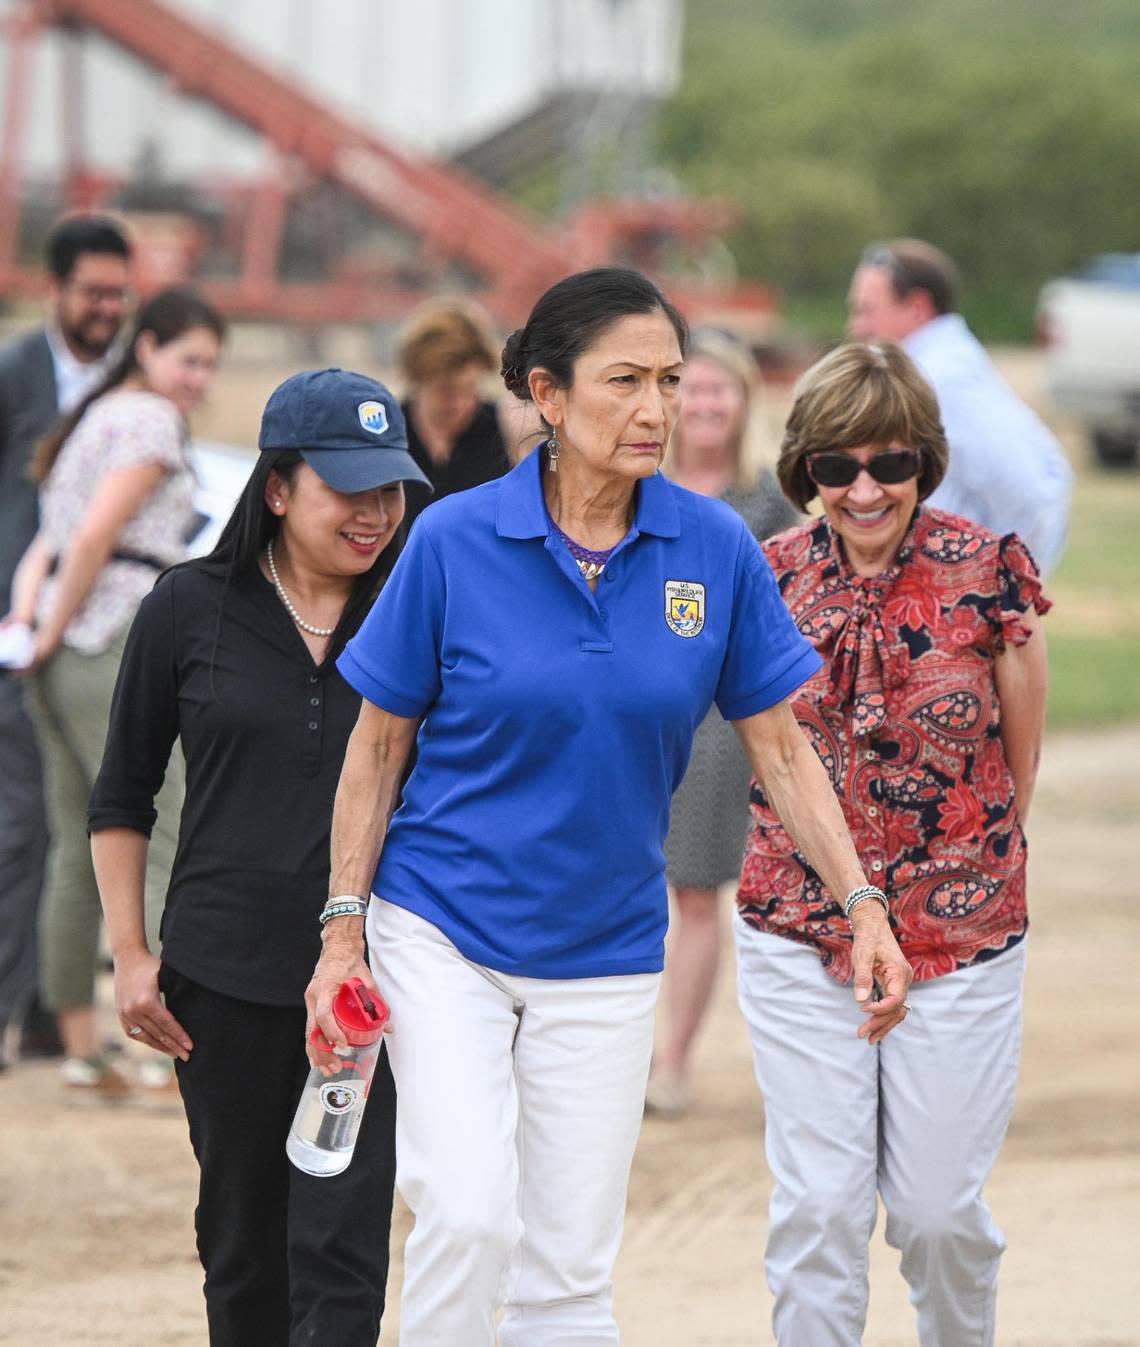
684 607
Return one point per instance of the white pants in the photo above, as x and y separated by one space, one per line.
918 1119
519 1107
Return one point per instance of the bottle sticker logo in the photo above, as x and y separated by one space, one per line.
337 1098
373 417
684 607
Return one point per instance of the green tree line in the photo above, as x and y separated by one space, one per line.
1007 131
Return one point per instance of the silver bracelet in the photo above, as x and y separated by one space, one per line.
330 914
860 895
343 907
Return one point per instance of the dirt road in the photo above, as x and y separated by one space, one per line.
96 1243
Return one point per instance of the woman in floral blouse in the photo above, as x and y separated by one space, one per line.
928 713
116 504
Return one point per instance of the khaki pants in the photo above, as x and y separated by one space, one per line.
70 702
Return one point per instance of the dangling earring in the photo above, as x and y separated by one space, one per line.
552 448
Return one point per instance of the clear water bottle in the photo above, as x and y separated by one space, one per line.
328 1117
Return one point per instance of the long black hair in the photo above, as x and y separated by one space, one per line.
253 525
167 316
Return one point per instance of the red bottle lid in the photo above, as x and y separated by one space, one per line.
360 1013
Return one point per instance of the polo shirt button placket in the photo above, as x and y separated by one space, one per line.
314 705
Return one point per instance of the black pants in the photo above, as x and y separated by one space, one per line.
23 850
290 1260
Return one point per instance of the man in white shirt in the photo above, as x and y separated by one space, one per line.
42 374
1007 470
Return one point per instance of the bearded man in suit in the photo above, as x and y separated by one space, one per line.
43 373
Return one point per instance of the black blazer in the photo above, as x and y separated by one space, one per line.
29 405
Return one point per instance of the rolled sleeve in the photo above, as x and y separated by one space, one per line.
394 659
767 658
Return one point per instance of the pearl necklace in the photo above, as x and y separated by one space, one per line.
293 613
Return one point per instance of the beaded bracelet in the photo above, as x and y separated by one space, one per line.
344 907
330 913
860 895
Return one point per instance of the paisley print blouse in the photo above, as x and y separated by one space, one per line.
904 715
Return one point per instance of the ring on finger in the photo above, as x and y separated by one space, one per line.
135 1032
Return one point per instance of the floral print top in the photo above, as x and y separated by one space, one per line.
119 430
904 715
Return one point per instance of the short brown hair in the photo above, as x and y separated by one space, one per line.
444 336
861 393
913 264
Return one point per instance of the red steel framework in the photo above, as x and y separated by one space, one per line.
455 220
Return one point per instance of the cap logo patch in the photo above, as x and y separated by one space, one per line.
373 417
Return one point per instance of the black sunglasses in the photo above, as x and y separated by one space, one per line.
889 467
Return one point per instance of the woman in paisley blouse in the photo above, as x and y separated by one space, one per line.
928 713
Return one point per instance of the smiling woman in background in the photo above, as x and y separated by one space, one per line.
116 501
233 656
928 715
709 455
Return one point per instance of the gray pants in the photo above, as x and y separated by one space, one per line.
23 846
70 701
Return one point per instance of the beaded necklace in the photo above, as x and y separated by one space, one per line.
293 613
590 563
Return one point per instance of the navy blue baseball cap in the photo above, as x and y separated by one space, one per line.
348 428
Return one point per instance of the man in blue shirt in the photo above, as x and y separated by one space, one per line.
1007 471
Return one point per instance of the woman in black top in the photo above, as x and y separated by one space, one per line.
454 435
234 655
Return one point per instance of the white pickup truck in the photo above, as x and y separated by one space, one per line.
1089 324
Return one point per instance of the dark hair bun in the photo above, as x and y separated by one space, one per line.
514 370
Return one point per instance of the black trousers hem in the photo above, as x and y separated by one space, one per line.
291 1260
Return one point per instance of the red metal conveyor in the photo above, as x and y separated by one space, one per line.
455 218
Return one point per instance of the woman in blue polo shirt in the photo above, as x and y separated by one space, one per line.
555 637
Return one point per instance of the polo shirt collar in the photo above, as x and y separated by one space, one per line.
522 510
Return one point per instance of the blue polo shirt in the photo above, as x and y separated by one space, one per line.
557 722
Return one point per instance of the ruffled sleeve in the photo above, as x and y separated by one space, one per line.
1018 590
